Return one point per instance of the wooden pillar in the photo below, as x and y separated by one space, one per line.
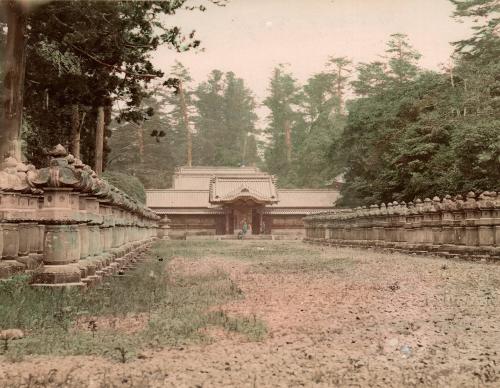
227 221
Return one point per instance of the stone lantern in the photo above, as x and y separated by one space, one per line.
60 215
19 237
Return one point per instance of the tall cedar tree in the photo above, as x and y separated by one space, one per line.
90 54
225 120
284 120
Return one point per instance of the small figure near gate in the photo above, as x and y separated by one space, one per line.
244 229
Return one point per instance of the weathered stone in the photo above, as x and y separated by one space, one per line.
457 227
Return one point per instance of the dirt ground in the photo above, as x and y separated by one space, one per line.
382 320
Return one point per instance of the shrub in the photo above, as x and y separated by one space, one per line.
127 183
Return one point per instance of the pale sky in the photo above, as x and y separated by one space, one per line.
251 37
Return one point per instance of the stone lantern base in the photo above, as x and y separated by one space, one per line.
58 276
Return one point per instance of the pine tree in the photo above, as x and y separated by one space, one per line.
226 117
285 128
89 54
182 114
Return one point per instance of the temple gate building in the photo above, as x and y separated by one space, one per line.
219 200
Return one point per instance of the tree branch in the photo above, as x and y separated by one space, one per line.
114 67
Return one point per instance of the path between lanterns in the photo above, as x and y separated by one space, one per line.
334 317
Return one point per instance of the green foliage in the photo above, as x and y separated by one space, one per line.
91 54
221 114
134 151
283 101
127 183
419 134
224 122
400 66
314 116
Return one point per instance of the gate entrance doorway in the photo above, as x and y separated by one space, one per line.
239 214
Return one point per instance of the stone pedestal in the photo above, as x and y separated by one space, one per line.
61 253
61 248
10 240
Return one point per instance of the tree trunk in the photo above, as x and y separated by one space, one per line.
75 131
288 141
189 141
339 89
244 153
99 140
140 138
14 68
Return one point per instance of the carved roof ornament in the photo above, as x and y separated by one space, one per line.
84 173
459 201
13 177
403 209
471 202
101 189
485 200
448 203
373 210
66 171
495 197
32 172
411 208
427 205
22 171
58 151
60 172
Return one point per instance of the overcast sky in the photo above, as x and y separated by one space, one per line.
250 37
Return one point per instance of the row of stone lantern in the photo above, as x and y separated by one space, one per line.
65 217
457 225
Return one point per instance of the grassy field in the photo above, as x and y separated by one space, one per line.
261 314
76 322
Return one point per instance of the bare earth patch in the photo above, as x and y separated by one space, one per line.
386 320
132 323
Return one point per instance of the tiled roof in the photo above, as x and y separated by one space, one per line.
209 187
196 210
211 170
300 198
198 178
259 188
171 198
295 211
313 198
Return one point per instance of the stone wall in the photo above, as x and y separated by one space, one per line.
65 225
455 226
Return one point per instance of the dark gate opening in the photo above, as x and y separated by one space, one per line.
255 221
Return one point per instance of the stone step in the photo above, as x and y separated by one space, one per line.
247 237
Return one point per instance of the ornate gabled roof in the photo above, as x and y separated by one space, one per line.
198 178
258 188
202 189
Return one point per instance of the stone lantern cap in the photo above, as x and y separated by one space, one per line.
485 201
14 177
69 173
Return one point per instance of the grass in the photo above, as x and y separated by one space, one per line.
278 257
175 312
247 250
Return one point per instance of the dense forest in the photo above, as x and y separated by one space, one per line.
389 129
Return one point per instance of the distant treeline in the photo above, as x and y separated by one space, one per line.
389 129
